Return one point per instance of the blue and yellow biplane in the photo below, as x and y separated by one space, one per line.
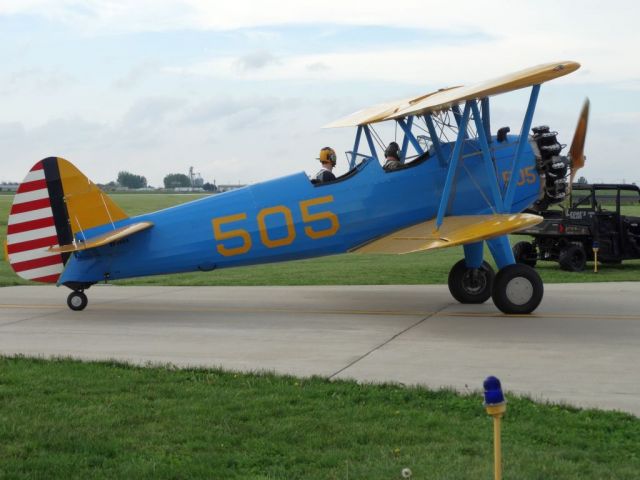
459 184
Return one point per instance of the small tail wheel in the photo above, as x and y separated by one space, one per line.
77 300
517 289
471 285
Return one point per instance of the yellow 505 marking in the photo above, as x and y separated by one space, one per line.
288 220
307 217
526 176
220 235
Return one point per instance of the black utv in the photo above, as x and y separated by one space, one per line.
593 219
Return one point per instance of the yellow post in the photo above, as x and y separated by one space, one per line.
497 411
496 406
595 259
497 449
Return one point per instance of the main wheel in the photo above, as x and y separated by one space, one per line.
471 285
517 288
572 258
525 252
77 300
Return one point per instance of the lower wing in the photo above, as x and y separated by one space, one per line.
453 231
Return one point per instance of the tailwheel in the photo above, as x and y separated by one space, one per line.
517 289
471 285
77 300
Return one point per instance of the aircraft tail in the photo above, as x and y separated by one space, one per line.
54 202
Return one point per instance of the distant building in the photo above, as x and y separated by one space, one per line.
226 188
195 178
8 187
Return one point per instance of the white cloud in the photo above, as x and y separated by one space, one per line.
143 128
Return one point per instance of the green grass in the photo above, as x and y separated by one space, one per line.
419 268
65 419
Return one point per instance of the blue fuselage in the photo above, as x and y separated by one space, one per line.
290 218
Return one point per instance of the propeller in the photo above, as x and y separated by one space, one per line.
576 152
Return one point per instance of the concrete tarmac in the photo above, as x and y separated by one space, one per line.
582 345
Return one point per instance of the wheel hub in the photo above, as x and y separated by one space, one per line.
519 290
76 301
474 282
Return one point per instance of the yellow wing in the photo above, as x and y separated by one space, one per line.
101 240
380 112
445 98
454 231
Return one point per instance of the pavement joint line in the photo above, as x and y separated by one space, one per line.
110 304
35 317
386 342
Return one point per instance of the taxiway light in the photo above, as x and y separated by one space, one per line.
492 391
496 406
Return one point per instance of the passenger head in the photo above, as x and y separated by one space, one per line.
393 151
327 157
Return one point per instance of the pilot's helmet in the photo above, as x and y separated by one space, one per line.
392 150
327 154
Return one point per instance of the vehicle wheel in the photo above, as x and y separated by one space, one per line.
77 301
573 258
517 289
525 252
469 285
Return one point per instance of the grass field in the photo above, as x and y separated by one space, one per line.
350 269
64 419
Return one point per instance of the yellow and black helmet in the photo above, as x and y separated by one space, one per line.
327 154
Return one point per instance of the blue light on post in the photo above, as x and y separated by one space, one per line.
492 391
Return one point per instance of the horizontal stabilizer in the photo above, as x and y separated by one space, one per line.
104 239
454 231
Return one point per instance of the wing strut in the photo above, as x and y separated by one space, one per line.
453 164
486 157
435 140
356 145
406 139
524 137
372 147
408 135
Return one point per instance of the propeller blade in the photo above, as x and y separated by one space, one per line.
576 152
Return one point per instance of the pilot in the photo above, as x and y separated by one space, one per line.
328 161
392 157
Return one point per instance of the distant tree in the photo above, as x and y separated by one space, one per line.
130 180
176 180
582 180
209 187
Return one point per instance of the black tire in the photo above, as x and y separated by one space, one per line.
525 252
467 286
572 258
77 301
517 289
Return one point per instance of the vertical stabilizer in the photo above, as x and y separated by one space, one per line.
53 204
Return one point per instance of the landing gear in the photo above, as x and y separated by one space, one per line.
471 285
77 300
517 289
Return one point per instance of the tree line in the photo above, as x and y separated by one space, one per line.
172 180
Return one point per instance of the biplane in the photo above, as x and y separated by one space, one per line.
460 184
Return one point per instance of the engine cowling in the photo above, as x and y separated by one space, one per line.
552 167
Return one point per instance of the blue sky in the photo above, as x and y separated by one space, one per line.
240 90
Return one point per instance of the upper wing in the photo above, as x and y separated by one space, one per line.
454 231
445 98
380 112
104 239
